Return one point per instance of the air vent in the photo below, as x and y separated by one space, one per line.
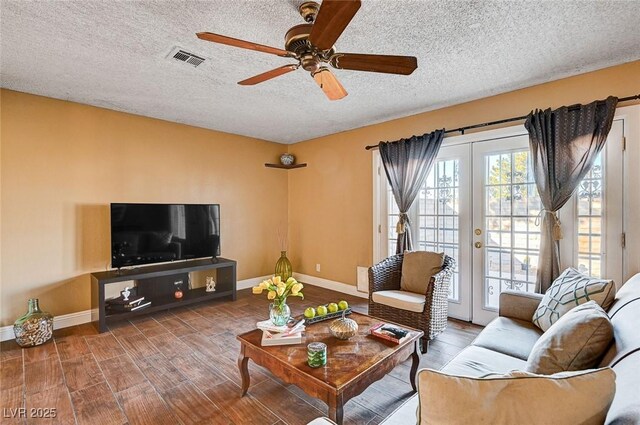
181 55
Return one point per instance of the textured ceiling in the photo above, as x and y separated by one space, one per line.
113 54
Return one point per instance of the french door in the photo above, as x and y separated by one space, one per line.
507 214
506 231
481 206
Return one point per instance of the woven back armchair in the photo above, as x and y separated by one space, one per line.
385 276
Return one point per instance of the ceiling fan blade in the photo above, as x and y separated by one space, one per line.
404 65
332 19
229 41
329 84
268 75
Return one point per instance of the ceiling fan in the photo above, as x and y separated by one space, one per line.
311 44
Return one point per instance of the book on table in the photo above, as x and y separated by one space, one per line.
292 326
271 339
393 333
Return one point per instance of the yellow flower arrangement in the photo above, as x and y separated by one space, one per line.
278 290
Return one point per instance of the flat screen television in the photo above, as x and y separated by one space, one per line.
157 233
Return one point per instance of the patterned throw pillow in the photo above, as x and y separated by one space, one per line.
570 289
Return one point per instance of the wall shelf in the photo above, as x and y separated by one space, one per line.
285 167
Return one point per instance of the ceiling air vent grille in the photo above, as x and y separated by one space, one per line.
187 57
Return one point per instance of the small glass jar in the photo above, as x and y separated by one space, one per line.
317 354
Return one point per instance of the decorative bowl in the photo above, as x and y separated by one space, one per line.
343 328
287 159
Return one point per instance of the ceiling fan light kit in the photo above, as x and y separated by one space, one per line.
312 45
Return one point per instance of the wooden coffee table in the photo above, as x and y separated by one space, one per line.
351 366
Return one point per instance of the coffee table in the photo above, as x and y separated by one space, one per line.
351 366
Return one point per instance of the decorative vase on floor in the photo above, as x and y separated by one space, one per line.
279 313
283 267
35 327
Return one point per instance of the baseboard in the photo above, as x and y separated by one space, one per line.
59 322
80 317
251 282
330 284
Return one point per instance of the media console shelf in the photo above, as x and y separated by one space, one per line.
152 284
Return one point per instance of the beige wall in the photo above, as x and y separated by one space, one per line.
62 164
330 201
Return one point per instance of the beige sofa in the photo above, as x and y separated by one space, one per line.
506 342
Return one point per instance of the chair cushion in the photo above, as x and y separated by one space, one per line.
516 398
477 361
400 299
570 289
575 342
417 269
508 336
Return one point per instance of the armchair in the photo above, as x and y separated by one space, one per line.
426 312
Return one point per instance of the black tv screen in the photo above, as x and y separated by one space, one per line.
157 233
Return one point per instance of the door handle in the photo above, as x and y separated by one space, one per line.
478 244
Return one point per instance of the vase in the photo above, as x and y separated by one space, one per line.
35 327
287 159
283 267
279 313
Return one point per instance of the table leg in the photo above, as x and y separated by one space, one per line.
335 409
243 365
415 362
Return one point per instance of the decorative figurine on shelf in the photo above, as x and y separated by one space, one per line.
210 285
287 159
126 293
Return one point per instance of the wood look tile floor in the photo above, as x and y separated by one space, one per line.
179 367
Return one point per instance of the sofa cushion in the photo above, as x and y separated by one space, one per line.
523 398
570 289
417 269
625 316
407 413
477 361
512 337
400 299
625 408
575 342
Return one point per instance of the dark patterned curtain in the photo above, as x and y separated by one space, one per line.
564 145
407 163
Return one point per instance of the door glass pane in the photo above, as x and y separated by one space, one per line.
512 239
438 215
590 219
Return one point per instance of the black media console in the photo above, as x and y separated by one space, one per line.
155 283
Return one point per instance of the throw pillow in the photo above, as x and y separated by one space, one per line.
575 342
570 289
417 269
522 398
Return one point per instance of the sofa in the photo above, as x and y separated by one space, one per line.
505 344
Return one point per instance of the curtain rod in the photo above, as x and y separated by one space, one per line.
487 124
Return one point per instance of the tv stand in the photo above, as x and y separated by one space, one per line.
152 284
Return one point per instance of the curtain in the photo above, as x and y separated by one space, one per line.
407 163
564 145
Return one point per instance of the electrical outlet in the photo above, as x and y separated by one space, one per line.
317 267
